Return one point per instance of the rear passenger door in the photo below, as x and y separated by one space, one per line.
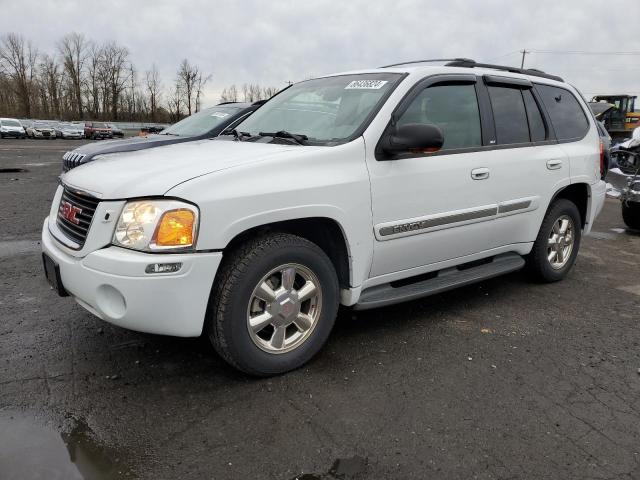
528 166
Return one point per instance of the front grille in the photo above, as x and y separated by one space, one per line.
71 160
79 207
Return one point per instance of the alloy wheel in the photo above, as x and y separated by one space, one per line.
284 308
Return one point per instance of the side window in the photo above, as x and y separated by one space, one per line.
453 108
536 123
509 114
567 116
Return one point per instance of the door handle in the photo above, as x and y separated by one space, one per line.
480 173
554 164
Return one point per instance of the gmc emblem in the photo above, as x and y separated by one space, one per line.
70 211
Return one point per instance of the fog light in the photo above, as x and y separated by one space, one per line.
163 267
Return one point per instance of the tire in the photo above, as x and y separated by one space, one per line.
233 303
631 214
549 262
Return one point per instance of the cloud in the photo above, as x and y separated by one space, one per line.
270 43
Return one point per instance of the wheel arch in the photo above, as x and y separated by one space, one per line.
580 195
325 232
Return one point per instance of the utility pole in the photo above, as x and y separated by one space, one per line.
524 53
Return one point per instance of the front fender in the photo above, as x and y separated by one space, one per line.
330 182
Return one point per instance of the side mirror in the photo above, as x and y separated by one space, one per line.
414 138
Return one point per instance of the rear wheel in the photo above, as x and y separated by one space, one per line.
555 250
273 305
631 214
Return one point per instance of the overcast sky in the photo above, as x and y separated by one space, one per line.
273 42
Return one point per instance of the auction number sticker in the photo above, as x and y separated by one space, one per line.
219 114
366 85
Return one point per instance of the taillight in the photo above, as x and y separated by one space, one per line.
603 170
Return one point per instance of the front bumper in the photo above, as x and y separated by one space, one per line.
13 133
111 283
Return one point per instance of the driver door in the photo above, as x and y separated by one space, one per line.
433 207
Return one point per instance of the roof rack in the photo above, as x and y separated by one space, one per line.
469 63
534 72
429 61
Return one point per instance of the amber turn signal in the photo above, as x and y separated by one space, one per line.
175 229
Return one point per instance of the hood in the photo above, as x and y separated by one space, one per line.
600 108
12 127
127 145
156 171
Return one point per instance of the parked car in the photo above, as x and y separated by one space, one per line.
150 129
205 124
116 131
97 130
40 129
71 130
364 189
624 177
10 127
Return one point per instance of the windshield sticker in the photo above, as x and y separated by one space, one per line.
366 85
219 114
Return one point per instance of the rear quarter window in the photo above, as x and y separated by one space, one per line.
569 120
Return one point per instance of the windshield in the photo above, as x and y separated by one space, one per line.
328 111
11 123
42 125
201 122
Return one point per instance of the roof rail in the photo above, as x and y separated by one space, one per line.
429 61
534 72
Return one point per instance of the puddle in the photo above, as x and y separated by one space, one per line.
31 451
343 469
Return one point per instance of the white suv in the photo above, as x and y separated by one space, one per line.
363 189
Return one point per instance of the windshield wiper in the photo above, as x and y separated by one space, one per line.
167 133
237 135
297 138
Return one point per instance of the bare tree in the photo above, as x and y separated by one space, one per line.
229 94
115 73
268 92
18 57
200 83
93 78
188 79
175 102
51 81
74 49
154 87
251 92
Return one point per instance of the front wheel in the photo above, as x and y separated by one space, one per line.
631 214
273 304
556 247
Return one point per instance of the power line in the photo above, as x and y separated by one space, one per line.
583 52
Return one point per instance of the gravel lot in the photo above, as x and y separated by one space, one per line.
501 380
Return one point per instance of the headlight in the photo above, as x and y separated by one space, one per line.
156 225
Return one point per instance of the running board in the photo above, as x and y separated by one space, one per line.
447 279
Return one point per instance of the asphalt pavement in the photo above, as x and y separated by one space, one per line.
505 379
